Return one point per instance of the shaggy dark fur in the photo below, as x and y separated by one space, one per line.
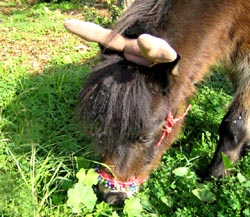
117 98
111 98
144 16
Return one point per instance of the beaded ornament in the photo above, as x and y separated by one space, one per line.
109 182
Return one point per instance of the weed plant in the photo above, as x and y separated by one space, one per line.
44 156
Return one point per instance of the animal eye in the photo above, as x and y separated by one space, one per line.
145 138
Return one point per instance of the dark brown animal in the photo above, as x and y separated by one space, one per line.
128 102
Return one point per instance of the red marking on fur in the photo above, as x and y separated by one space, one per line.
170 121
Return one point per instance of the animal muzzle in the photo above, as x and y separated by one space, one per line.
114 191
110 196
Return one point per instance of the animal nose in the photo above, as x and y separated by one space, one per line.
114 198
111 197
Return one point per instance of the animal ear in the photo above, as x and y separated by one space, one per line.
161 74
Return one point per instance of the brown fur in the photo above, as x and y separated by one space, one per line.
203 33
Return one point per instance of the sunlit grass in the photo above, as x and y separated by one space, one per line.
42 146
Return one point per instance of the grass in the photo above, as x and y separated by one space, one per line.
42 147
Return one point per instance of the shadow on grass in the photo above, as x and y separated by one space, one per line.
44 140
43 110
210 104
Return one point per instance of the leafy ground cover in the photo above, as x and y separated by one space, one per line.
44 160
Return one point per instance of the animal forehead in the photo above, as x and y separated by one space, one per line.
122 98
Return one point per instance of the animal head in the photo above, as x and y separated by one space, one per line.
126 99
128 104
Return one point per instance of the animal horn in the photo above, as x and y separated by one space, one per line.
153 49
156 49
95 33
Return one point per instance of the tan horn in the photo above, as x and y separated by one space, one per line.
153 49
156 49
95 33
